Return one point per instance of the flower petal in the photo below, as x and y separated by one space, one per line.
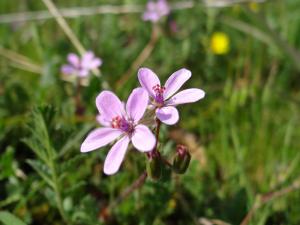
186 96
74 60
96 62
87 57
137 104
148 79
102 120
168 115
98 138
89 61
83 72
143 139
67 69
115 156
109 105
163 7
175 81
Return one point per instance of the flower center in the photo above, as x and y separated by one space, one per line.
122 124
159 94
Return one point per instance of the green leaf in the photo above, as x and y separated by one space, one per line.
74 140
36 148
6 163
8 218
42 170
72 163
39 140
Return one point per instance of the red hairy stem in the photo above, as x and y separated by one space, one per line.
79 107
154 150
166 162
158 123
106 212
135 185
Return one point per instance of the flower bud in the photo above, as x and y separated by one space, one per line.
182 159
154 166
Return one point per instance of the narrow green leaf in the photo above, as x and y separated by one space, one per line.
74 140
34 146
8 218
42 170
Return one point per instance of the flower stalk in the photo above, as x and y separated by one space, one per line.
57 190
79 108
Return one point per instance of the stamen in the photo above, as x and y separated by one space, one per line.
116 122
122 124
159 94
158 89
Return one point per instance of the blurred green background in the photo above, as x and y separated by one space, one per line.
244 136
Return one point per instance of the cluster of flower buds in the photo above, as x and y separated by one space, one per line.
124 122
156 164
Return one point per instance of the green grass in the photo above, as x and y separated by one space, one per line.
246 129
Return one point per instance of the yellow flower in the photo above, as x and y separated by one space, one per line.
254 6
172 203
219 43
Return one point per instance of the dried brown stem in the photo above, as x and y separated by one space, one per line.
105 213
64 25
266 198
145 53
135 185
228 3
21 61
75 12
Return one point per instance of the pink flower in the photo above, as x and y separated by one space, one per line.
120 122
156 10
163 98
81 67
